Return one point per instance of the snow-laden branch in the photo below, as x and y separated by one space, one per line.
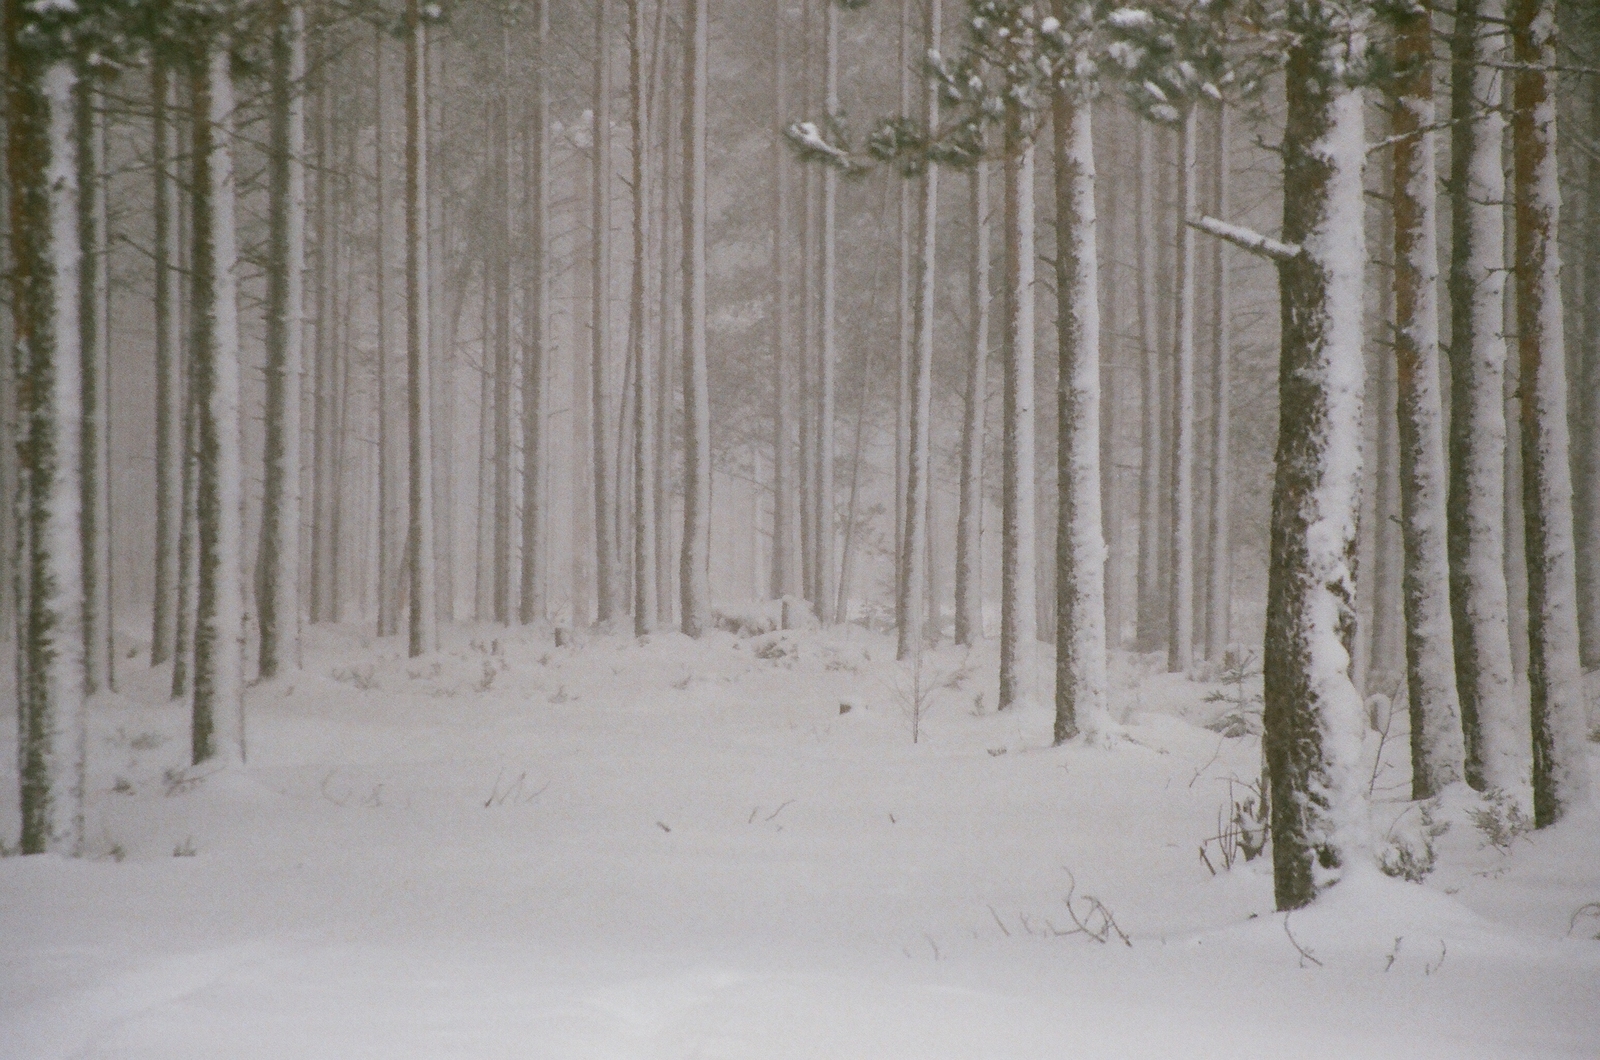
1246 239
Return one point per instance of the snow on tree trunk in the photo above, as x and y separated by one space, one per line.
1555 679
278 598
1017 590
1149 618
644 522
532 600
1180 601
606 580
218 708
1437 755
969 518
913 558
695 557
1080 549
169 364
1478 436
94 304
423 632
45 261
1219 555
1313 715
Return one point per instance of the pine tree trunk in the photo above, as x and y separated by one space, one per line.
827 356
905 318
278 600
1081 688
1017 527
1106 242
188 549
218 708
324 271
1478 436
1586 447
444 375
1437 755
390 541
665 428
535 518
600 329
1180 600
423 631
1219 556
42 166
644 521
695 559
969 518
504 381
783 560
1152 428
169 363
94 301
1313 715
914 544
1555 678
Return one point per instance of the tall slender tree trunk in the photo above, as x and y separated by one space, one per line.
644 519
94 307
1478 436
504 382
1081 687
1219 556
695 559
665 428
1586 406
1017 590
188 548
606 579
1555 677
827 355
324 271
41 174
969 517
913 555
1152 427
169 362
1313 715
278 599
442 346
783 534
535 518
905 319
1437 754
423 630
218 708
1180 600
390 541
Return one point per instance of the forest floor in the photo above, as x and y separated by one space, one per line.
678 849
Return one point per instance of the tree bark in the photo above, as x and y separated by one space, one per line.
1313 715
969 518
1180 600
1152 427
1017 588
169 362
1219 555
644 522
533 605
1555 677
1437 754
390 541
600 323
827 356
423 631
783 533
695 558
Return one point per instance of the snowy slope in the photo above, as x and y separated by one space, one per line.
680 849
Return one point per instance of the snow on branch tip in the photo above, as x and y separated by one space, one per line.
1246 239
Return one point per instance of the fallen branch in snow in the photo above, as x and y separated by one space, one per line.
1097 922
1246 239
1305 954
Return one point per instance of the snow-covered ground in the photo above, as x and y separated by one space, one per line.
675 849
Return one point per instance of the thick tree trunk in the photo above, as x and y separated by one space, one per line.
695 559
1313 714
169 363
1081 688
1437 755
278 597
1555 678
1478 436
1219 554
1180 600
218 715
913 553
600 322
532 605
423 631
45 259
1017 512
969 518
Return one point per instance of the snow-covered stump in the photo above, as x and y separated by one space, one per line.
1494 746
1555 678
1314 720
218 707
1080 693
42 173
1436 741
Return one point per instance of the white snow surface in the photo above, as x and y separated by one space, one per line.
675 849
